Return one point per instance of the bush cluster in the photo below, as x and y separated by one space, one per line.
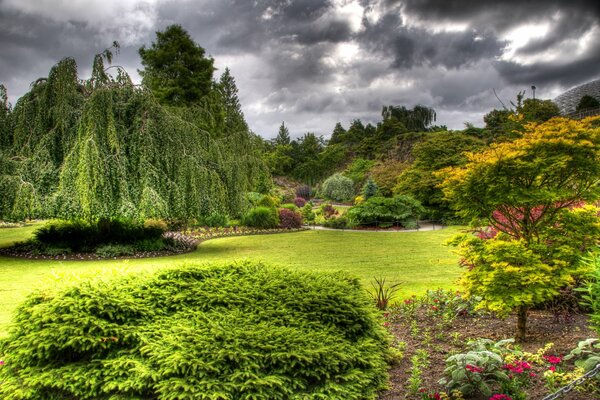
383 210
261 217
85 236
300 202
216 220
242 331
338 187
289 219
105 239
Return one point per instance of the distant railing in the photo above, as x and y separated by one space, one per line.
590 112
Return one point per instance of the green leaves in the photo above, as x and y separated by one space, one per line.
242 331
106 149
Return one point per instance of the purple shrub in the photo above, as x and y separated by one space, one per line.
299 202
289 219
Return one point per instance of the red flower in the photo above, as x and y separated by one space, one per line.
518 367
552 368
474 369
553 359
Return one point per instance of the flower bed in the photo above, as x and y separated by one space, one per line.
206 233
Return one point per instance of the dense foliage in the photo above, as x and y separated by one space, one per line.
175 68
289 219
261 217
527 198
338 187
104 238
230 332
103 148
437 151
387 211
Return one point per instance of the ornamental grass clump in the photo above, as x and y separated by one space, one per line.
237 331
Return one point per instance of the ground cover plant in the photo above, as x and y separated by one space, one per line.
453 351
199 332
394 256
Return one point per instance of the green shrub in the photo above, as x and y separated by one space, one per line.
340 222
221 332
369 189
261 217
150 245
338 187
159 224
269 201
289 206
83 236
115 250
384 210
215 220
307 213
591 293
253 198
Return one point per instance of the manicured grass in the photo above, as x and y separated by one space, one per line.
418 259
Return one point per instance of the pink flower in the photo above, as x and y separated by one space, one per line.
2 363
532 374
552 368
500 396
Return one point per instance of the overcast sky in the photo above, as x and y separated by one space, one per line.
312 63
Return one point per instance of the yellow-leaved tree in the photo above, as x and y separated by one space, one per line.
531 201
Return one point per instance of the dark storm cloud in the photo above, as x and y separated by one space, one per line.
410 47
566 75
572 20
308 62
499 14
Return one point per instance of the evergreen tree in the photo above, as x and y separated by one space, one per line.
175 68
337 136
234 117
283 136
369 189
5 128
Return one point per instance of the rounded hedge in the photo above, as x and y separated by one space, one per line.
241 331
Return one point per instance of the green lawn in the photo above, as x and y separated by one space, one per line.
418 259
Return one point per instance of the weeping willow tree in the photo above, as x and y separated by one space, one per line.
416 120
105 148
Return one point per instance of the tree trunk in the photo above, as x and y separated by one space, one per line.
521 324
